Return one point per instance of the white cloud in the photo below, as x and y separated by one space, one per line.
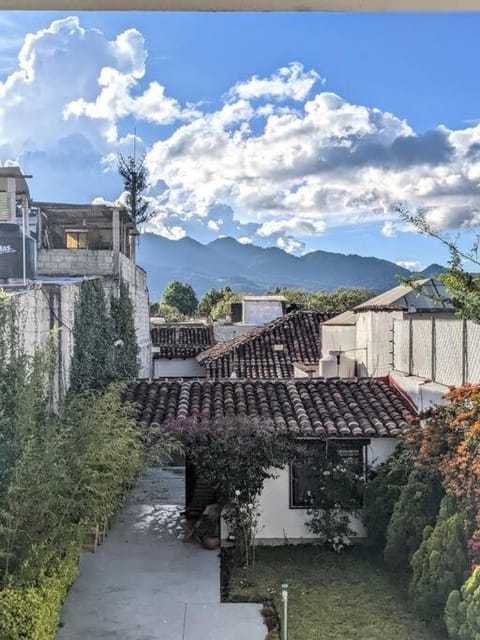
214 225
287 157
391 229
158 226
412 265
288 82
245 240
290 245
296 225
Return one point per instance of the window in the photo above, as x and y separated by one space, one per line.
76 239
303 475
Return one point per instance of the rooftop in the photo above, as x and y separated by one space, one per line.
268 351
312 408
180 340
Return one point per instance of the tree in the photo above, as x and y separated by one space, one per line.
92 339
441 563
125 347
416 508
134 175
463 287
167 312
383 491
181 296
211 299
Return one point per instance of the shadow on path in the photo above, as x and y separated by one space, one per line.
145 583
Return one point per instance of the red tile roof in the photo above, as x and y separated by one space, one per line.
268 351
323 408
181 341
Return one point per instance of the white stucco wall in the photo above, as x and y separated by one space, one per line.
423 393
261 311
279 523
177 368
340 338
374 342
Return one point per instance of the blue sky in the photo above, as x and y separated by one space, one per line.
294 130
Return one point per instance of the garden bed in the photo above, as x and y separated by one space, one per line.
347 596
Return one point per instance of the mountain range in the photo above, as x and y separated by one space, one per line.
252 269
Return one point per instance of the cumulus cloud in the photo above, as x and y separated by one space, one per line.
245 240
288 82
412 265
290 245
278 159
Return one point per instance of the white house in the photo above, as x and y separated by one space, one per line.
356 421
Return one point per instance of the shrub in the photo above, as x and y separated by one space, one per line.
31 612
416 508
462 613
383 491
441 562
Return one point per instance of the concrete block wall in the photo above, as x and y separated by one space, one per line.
74 262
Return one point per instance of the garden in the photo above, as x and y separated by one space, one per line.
416 575
65 468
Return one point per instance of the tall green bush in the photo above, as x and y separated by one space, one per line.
416 508
383 491
462 613
441 563
125 351
93 345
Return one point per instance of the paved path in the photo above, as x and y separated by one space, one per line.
144 583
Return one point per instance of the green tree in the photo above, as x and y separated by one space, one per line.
462 613
181 296
92 336
211 299
416 508
441 563
383 491
463 287
134 176
125 347
168 313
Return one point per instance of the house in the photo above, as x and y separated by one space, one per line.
247 314
175 347
48 249
269 351
358 420
95 240
361 339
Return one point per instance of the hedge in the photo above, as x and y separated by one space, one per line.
33 612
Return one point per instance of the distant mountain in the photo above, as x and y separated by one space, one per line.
433 270
246 267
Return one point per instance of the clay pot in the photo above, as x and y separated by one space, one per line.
211 542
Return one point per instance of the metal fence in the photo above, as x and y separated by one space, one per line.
445 351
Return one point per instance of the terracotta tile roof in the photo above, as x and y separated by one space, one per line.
323 408
180 341
268 351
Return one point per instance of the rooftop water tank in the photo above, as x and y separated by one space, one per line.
327 367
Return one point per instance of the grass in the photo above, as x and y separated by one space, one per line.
331 597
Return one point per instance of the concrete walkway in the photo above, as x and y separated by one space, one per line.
144 583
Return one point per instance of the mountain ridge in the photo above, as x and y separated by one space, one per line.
248 267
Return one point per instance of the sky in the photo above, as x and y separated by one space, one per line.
297 130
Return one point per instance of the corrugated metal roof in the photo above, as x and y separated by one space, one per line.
429 298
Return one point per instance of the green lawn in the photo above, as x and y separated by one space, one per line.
332 597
